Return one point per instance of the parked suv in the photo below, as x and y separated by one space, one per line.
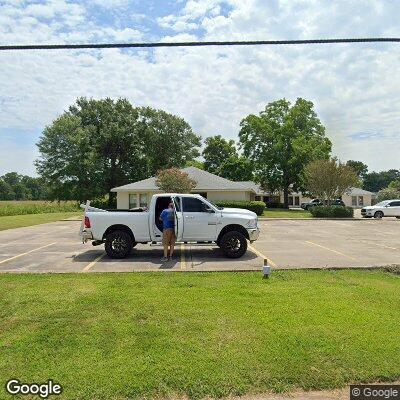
386 208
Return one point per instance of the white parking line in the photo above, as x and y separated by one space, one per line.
90 265
332 250
262 255
23 254
183 259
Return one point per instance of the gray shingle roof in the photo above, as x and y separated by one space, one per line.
359 192
205 181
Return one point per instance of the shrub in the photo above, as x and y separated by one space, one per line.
331 212
256 206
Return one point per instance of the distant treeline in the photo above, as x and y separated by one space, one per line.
14 186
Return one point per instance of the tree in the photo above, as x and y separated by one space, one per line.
14 186
394 185
168 140
388 193
6 191
216 151
375 181
236 169
99 144
359 167
281 141
329 179
195 163
173 180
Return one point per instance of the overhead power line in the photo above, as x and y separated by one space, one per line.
191 44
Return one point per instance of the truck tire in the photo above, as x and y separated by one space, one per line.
233 244
118 244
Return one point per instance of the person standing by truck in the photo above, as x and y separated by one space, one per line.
167 217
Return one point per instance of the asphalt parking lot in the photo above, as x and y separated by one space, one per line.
56 247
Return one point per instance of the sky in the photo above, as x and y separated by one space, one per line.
355 87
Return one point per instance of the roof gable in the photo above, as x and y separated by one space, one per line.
205 181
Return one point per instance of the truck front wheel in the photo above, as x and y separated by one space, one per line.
118 244
233 244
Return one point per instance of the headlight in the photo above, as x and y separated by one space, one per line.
252 223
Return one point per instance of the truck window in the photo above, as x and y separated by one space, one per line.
191 204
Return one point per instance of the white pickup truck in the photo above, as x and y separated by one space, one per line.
196 220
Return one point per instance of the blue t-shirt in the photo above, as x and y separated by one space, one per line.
168 218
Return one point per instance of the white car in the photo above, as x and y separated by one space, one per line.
196 220
386 208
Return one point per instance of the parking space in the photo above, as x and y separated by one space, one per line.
56 247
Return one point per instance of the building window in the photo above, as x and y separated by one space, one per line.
143 200
360 201
257 198
353 200
133 201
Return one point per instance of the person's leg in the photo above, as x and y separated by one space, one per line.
172 244
165 243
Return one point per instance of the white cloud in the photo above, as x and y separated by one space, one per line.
355 88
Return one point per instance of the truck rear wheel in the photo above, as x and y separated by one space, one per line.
233 244
118 244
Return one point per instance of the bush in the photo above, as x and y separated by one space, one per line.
331 212
256 206
36 207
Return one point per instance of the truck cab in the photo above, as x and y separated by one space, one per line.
196 220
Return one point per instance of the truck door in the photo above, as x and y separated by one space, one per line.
178 218
199 220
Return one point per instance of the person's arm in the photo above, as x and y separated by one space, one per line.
161 215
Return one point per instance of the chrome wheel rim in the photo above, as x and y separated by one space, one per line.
119 245
233 245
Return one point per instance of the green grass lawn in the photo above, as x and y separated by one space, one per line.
282 213
17 221
119 336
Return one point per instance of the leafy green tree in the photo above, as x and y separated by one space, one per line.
195 163
329 179
375 181
359 167
216 151
168 140
173 180
14 186
236 168
281 141
6 191
394 185
388 193
99 144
